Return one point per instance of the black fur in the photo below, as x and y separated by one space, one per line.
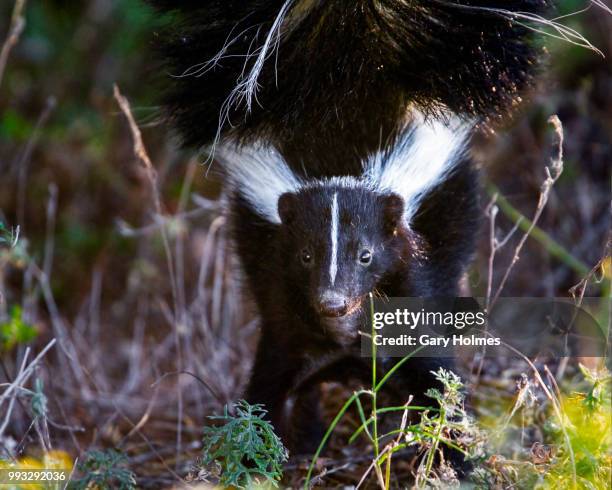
297 339
338 88
343 77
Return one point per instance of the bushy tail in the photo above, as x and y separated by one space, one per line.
334 72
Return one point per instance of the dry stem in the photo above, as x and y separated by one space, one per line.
16 28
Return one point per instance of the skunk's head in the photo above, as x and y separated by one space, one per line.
338 243
389 228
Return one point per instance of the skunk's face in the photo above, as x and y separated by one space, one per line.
339 244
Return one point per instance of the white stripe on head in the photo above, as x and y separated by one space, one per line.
333 264
423 157
258 173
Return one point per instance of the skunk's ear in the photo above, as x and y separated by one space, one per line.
393 211
287 205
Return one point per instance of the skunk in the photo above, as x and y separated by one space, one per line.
342 130
332 78
312 247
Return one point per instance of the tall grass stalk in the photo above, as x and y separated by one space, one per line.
374 416
327 435
379 458
434 447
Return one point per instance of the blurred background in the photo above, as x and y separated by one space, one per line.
153 332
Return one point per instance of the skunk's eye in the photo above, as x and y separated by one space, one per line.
365 257
306 256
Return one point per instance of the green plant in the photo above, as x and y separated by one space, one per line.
15 330
104 470
8 238
435 428
39 402
13 248
245 447
575 445
588 421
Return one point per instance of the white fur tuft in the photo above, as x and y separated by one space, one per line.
259 173
422 158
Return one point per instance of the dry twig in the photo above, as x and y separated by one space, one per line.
16 28
553 172
21 378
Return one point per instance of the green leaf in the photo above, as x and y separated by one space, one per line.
245 447
104 469
16 331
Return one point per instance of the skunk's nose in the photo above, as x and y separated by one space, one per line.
333 304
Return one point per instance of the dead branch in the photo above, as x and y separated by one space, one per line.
21 378
553 172
143 156
15 29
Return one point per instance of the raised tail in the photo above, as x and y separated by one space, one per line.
325 73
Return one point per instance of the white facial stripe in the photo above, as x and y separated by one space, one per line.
333 265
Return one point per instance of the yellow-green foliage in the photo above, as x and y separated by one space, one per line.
588 422
50 460
15 330
572 448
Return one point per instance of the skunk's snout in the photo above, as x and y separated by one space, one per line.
332 304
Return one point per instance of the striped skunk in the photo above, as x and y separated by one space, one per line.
342 131
333 79
313 247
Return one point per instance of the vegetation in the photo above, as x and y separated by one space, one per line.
15 330
576 451
245 448
446 424
104 469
